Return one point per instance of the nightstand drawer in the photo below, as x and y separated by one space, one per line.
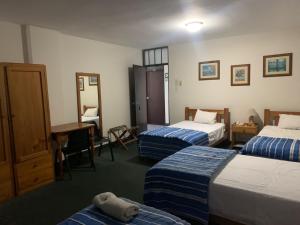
244 130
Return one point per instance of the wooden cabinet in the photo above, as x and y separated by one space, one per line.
6 175
26 126
249 130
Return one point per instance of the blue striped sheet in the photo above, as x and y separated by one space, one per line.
147 216
276 148
179 183
162 142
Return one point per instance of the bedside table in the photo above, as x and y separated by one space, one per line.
249 130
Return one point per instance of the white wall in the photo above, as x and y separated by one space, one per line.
65 55
280 93
10 43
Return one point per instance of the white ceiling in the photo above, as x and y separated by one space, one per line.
150 23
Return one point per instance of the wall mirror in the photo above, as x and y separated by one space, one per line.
89 100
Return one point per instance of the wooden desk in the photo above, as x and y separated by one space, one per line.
60 135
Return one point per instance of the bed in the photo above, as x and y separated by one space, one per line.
162 142
90 119
147 215
246 190
274 141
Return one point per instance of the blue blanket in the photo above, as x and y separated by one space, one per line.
147 215
277 148
179 183
162 142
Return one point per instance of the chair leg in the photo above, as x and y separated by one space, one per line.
111 151
68 166
100 149
92 159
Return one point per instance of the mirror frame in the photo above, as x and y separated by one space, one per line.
81 74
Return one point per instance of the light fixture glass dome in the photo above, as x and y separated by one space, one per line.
194 26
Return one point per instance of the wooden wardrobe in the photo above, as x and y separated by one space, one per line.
25 139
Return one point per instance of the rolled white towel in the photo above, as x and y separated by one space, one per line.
115 207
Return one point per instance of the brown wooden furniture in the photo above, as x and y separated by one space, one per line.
243 129
223 116
272 117
60 135
123 135
25 146
78 76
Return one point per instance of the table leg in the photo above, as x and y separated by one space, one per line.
60 140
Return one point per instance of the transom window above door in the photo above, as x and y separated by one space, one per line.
156 56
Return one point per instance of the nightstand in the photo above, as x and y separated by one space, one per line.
246 129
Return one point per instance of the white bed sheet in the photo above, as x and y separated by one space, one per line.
257 191
215 131
274 131
90 119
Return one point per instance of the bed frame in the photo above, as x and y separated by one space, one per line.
222 114
85 107
272 117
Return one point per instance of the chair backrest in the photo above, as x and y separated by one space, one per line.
78 140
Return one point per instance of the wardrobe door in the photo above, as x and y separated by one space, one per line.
30 123
29 111
6 177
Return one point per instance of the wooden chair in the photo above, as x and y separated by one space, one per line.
123 135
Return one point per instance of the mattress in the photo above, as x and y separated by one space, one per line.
90 119
276 132
215 131
257 191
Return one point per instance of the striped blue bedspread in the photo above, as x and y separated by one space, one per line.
147 215
276 148
162 142
179 184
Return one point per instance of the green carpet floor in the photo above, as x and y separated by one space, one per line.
55 202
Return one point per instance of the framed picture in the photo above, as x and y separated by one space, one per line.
240 75
209 70
93 80
81 83
278 65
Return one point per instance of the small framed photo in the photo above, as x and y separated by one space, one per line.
240 75
278 65
209 70
81 84
93 80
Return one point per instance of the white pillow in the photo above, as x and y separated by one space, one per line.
205 117
92 112
289 121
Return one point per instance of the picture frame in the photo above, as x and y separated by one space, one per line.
209 70
240 75
93 80
278 65
81 83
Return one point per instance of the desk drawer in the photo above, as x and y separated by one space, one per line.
34 173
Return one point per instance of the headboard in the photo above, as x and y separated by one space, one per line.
221 114
85 107
272 117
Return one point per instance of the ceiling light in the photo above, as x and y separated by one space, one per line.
193 26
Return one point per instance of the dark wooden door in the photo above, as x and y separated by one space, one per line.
6 177
28 101
155 97
140 102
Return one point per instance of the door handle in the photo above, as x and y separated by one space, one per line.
147 98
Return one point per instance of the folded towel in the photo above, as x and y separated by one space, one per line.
115 207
